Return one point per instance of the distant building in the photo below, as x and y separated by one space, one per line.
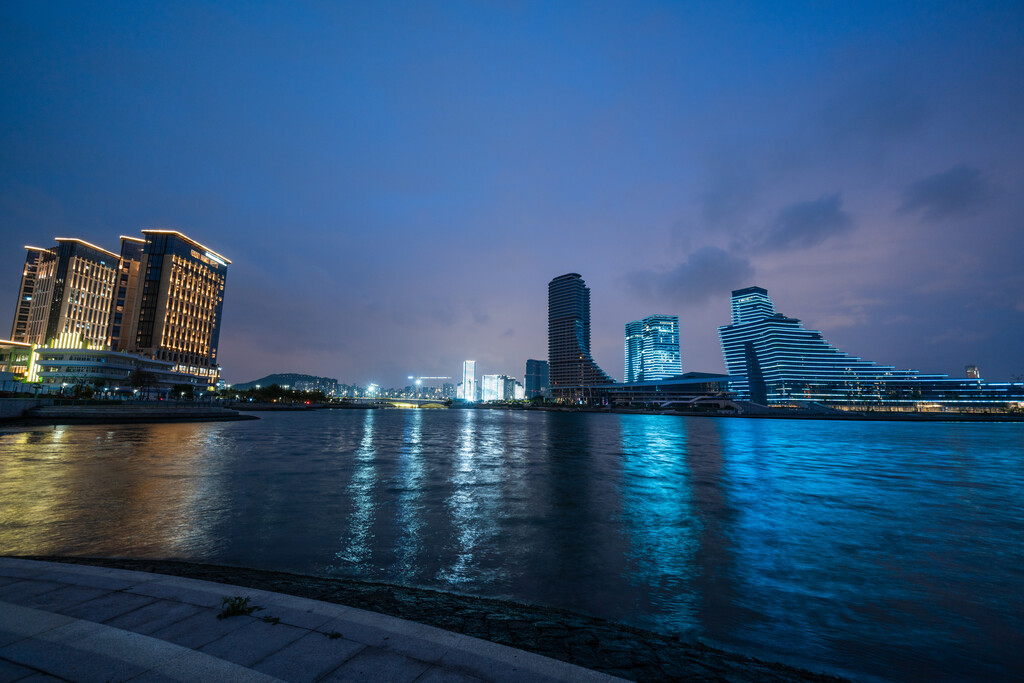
469 380
536 378
571 368
652 348
518 392
492 388
972 372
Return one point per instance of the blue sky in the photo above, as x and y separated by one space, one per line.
396 183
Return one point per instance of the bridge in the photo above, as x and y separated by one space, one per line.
383 402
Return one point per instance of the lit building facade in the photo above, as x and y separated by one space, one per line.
492 388
536 378
178 307
469 380
73 285
773 360
652 348
571 368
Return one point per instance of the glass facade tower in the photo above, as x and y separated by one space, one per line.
570 367
536 378
652 348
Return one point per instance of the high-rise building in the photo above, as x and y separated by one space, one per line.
652 348
26 292
469 380
70 303
492 388
126 289
571 368
536 378
178 307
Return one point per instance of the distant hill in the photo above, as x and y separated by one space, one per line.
292 380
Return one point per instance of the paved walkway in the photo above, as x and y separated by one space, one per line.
81 623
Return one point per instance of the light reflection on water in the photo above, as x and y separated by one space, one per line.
886 549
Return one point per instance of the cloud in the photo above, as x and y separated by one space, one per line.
806 224
958 191
707 271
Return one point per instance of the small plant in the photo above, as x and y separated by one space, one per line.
333 635
236 607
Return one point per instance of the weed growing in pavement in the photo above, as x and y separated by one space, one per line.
236 607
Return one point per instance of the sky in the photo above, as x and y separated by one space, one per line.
396 183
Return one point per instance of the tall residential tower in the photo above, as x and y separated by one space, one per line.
570 366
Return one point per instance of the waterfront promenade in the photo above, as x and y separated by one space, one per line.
83 623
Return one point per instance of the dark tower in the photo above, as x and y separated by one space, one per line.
570 366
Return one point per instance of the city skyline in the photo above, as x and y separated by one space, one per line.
368 170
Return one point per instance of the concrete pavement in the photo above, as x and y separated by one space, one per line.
82 623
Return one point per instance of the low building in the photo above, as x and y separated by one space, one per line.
113 371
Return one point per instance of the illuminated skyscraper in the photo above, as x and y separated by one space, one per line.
178 305
70 303
570 365
652 348
469 380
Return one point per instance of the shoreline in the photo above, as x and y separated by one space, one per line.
598 644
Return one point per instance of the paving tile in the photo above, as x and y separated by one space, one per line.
108 606
436 674
62 599
10 672
155 616
253 641
373 664
24 590
309 658
195 666
18 622
376 630
200 629
295 617
185 594
69 662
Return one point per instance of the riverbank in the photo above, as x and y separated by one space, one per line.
50 412
593 643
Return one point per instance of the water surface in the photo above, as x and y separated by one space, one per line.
875 549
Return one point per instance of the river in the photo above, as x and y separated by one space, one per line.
870 549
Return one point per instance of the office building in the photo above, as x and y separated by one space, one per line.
178 305
469 380
773 360
492 388
652 348
571 368
536 378
70 304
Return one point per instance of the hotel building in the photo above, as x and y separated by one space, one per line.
179 303
161 299
652 348
571 368
72 286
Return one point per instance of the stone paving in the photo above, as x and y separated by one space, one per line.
83 623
